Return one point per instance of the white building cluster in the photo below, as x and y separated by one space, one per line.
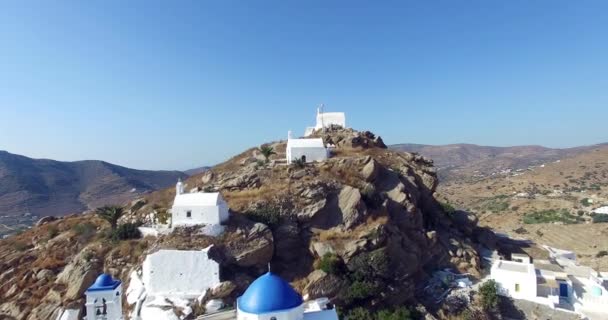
313 149
558 283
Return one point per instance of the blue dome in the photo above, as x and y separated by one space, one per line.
268 293
104 282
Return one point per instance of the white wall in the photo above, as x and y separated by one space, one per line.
200 215
180 273
113 304
508 281
312 154
290 314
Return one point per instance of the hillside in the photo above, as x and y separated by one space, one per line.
473 162
362 228
550 204
33 188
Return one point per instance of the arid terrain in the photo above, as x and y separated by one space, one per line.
34 188
550 203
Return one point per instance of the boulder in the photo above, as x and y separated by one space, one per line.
320 249
44 311
255 248
352 207
321 284
370 170
79 274
207 177
44 274
45 220
223 289
310 211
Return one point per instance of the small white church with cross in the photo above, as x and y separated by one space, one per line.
326 120
196 208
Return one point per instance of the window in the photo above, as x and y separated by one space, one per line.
517 287
188 214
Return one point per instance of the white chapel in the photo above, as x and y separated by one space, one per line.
197 208
307 150
325 120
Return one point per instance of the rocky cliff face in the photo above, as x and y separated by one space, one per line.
362 228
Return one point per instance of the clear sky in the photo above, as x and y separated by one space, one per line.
179 84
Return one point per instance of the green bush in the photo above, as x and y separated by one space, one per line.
400 313
266 214
126 231
84 231
359 314
330 263
447 208
599 218
368 266
360 290
20 246
489 295
550 216
586 202
602 253
52 232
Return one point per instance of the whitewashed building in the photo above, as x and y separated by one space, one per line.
104 299
308 150
601 210
515 279
325 120
198 208
271 298
183 273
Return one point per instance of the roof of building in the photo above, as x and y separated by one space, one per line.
305 143
330 314
602 210
268 293
104 282
197 199
514 266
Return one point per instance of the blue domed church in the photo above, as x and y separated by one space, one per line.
271 298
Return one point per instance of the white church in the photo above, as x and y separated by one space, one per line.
307 149
325 120
197 208
104 299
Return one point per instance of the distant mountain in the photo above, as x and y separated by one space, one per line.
47 187
198 170
469 160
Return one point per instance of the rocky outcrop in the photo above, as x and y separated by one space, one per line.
253 247
79 274
351 205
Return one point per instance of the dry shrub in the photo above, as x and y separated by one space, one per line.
50 262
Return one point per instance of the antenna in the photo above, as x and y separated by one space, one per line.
322 117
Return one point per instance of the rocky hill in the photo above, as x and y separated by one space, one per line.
32 188
472 162
362 228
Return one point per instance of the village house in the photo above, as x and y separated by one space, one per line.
601 210
198 208
326 120
306 150
515 279
558 283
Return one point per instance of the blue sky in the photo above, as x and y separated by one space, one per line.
179 84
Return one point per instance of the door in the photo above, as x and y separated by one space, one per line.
563 290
